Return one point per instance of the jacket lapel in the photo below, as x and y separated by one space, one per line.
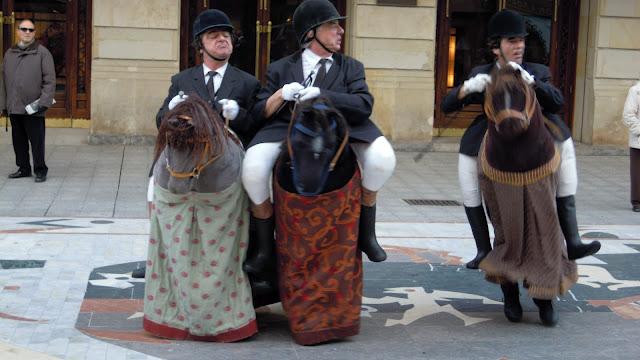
295 68
227 84
198 82
334 70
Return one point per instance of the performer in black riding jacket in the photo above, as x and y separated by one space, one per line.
317 69
227 89
507 32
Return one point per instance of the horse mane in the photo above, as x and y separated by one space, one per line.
192 126
517 138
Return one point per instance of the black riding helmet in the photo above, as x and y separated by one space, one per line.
507 24
312 13
210 19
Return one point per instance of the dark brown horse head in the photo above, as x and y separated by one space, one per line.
192 126
509 103
517 138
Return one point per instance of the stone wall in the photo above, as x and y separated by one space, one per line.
134 54
397 47
608 64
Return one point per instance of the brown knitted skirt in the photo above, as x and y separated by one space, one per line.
529 244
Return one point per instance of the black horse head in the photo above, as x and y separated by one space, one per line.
317 139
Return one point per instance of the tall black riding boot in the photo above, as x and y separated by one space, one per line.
367 241
139 273
548 315
576 249
261 246
480 231
512 307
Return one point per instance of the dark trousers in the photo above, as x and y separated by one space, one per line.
634 169
27 129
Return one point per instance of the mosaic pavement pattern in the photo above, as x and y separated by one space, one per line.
66 290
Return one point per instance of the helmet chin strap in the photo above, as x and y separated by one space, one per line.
213 57
320 42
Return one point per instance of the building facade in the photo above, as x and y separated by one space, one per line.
114 58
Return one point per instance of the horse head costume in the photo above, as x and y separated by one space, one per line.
195 287
516 139
317 194
316 150
518 170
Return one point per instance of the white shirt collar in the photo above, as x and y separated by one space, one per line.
221 70
310 62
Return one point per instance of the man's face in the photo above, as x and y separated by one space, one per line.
218 44
511 49
330 34
26 31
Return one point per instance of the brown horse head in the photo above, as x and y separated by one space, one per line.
192 126
509 103
517 138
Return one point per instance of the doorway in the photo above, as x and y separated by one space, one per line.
64 28
461 39
264 29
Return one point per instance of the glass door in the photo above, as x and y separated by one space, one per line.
63 27
264 30
462 44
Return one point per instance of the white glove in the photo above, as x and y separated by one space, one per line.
309 93
230 108
177 100
290 90
476 84
528 78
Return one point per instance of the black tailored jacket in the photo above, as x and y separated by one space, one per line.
549 97
344 85
236 85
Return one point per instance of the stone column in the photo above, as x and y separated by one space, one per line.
397 47
135 48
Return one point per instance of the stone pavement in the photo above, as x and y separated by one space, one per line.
67 247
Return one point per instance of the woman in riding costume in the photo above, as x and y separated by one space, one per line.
507 31
520 171
317 69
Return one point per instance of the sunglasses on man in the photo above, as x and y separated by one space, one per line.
24 29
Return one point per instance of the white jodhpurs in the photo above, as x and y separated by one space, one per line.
150 189
568 173
256 170
469 182
377 161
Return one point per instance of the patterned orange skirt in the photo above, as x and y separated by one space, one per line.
319 265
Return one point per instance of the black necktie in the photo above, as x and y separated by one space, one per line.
210 88
322 73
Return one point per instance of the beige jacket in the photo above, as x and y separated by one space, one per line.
631 115
28 75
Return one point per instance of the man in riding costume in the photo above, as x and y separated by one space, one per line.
507 31
226 88
317 69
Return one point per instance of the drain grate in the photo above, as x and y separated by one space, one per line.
431 202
